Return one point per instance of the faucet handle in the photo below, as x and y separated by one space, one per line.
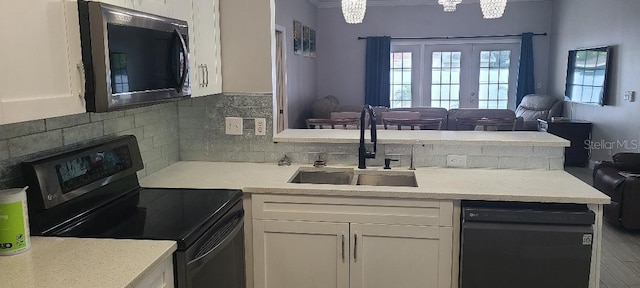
387 162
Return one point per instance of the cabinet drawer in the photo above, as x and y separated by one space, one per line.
344 209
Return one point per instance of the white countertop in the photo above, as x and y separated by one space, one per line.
82 262
433 183
511 138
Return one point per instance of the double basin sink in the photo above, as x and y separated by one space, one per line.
348 176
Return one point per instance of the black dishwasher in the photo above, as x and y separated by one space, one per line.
525 245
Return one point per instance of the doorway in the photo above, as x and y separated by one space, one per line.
281 85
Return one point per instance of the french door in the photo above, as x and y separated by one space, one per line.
468 75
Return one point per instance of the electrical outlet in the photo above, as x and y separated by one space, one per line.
456 160
233 125
261 126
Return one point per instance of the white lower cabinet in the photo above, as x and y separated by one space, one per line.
400 256
304 251
301 254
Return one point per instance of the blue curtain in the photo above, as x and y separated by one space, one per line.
526 81
378 65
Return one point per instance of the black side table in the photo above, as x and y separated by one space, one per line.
577 132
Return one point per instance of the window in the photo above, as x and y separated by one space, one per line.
494 79
450 74
400 81
445 79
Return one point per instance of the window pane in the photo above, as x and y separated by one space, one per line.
406 76
455 59
484 75
445 92
400 80
435 92
436 60
436 75
446 59
493 80
504 75
455 76
446 76
493 75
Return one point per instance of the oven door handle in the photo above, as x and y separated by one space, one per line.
218 246
185 62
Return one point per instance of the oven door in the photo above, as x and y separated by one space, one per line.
217 258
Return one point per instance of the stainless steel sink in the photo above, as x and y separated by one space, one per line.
324 176
347 176
385 179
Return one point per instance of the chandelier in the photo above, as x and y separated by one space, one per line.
449 5
353 10
492 9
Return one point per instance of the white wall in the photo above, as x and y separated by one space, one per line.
589 23
341 56
300 71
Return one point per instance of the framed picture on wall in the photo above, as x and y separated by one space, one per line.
306 41
312 43
297 37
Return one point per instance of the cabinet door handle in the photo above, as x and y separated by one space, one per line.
206 68
342 247
355 247
83 80
201 67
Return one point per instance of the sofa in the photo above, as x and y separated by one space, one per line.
538 106
481 113
448 116
624 209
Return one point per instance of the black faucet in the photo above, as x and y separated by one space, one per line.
362 151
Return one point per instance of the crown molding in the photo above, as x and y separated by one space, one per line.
382 3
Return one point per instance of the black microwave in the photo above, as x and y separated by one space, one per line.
132 58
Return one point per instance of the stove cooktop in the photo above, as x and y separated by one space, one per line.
161 214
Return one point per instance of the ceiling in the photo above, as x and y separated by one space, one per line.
336 3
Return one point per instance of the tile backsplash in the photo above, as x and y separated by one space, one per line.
155 127
203 138
194 130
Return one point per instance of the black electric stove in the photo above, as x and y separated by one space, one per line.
94 192
162 214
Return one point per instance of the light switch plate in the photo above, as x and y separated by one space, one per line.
261 126
233 125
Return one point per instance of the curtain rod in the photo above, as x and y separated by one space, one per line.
457 37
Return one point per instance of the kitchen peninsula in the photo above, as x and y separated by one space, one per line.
278 209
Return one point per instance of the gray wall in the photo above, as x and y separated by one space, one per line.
589 23
341 61
156 128
300 70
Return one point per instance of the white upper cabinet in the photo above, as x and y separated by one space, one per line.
177 9
42 74
205 48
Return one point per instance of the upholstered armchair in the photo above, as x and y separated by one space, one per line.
624 209
538 106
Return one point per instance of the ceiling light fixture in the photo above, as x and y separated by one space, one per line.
353 10
449 5
492 9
